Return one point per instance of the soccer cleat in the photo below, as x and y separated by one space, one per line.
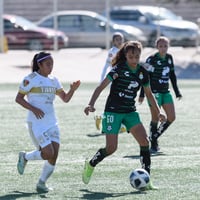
21 162
154 147
154 150
87 173
150 186
41 187
98 122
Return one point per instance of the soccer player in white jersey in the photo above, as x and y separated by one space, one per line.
40 89
117 41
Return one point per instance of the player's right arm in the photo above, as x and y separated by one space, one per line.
95 95
20 99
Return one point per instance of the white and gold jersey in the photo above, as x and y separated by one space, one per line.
108 65
41 93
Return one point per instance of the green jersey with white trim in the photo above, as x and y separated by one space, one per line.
125 84
163 67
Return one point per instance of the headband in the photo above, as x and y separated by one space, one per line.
45 57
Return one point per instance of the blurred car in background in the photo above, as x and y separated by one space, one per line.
88 29
156 21
24 34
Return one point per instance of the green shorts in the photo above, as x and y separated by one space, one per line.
163 98
111 122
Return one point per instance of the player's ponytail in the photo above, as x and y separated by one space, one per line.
120 58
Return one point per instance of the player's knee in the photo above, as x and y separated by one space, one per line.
48 154
171 118
144 142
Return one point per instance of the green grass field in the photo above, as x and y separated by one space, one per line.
176 171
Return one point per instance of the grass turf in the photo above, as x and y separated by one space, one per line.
176 171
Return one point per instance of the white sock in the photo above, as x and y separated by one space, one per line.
46 171
33 155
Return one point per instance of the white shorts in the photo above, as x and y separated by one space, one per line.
44 138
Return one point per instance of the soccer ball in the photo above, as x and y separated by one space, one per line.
139 178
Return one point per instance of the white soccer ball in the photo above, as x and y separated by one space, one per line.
139 178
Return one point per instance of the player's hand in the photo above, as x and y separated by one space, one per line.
89 109
74 86
162 117
38 113
179 97
140 100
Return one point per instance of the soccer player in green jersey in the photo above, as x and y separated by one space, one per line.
161 71
126 78
117 41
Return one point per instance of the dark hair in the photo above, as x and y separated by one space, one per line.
120 58
39 57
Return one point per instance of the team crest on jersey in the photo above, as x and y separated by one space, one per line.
109 128
141 76
169 61
25 82
115 75
110 55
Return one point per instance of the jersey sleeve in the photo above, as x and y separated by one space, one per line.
145 80
113 74
58 84
149 60
26 84
170 59
173 79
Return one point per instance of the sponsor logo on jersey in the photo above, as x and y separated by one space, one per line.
165 71
159 62
133 84
126 74
121 94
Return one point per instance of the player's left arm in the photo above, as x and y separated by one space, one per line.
141 96
173 80
66 96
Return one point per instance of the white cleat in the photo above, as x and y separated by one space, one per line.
41 187
21 162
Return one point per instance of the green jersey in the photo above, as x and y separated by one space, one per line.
163 68
125 84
